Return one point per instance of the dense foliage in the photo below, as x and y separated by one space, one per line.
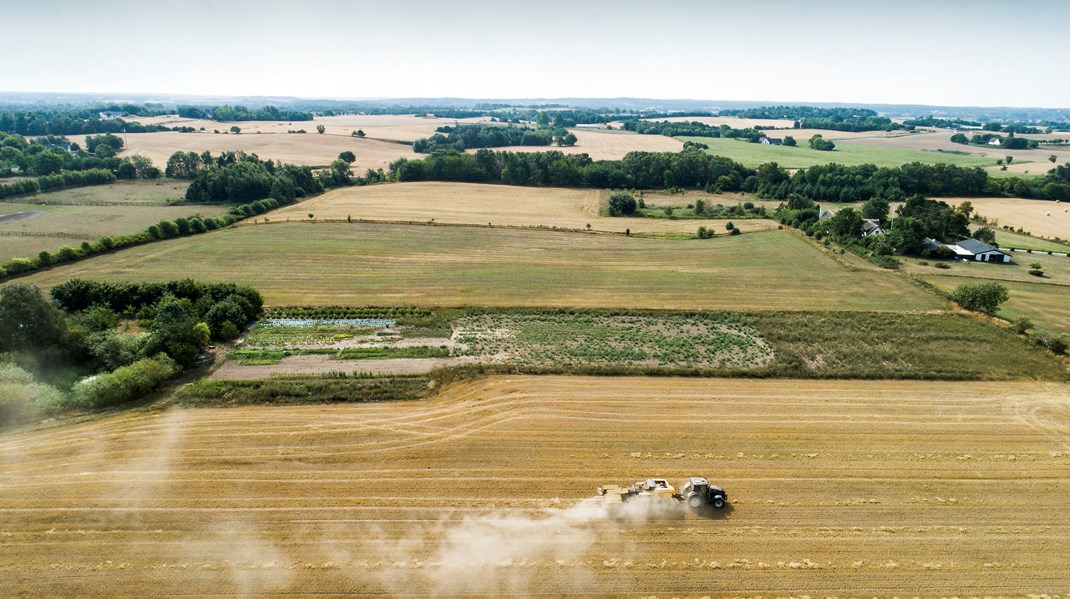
464 137
53 154
641 170
980 297
83 121
77 349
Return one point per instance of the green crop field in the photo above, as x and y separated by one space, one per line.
380 264
801 156
56 225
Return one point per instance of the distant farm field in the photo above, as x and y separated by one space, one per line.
308 148
469 203
1039 217
801 156
607 145
379 264
53 226
836 488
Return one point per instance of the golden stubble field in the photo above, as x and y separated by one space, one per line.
837 488
501 205
1039 217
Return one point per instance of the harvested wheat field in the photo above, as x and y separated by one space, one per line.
298 148
1039 217
873 489
600 144
501 205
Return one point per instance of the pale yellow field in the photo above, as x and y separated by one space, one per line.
836 488
1032 161
1039 217
607 145
501 205
307 148
384 126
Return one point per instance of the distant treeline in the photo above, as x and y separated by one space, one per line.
57 181
692 129
69 122
1007 143
226 114
50 156
697 170
810 117
930 121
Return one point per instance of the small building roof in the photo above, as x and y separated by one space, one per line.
977 247
870 224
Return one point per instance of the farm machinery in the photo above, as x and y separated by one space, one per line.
697 493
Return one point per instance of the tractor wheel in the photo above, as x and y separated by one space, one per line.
718 502
695 501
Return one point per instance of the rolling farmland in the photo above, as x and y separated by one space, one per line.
835 489
51 226
380 264
469 203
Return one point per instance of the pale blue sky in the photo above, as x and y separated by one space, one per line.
948 52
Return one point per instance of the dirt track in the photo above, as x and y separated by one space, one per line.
837 489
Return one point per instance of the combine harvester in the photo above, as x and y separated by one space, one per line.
697 493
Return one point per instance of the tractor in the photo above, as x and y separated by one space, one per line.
697 492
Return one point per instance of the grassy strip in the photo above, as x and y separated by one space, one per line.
207 393
381 353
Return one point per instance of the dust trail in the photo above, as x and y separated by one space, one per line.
508 552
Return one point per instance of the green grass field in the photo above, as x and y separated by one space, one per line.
1028 242
59 225
371 264
1043 303
801 156
144 191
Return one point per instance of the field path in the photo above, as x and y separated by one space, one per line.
837 488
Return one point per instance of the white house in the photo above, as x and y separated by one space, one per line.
871 226
996 141
825 214
771 141
110 115
979 251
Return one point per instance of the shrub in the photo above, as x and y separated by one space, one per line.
980 297
126 384
622 203
1021 325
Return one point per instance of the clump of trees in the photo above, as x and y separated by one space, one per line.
80 121
980 297
810 117
77 350
692 129
622 203
818 142
54 155
465 137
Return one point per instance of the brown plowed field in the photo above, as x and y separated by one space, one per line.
846 488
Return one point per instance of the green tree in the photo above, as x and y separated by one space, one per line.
907 235
1053 158
985 234
320 129
960 138
348 156
358 133
846 224
980 297
235 129
176 332
28 320
876 208
621 203
790 141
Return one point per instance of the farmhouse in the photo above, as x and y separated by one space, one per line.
109 114
825 214
996 141
871 226
771 141
979 251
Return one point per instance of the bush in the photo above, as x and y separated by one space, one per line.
126 384
622 203
980 297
